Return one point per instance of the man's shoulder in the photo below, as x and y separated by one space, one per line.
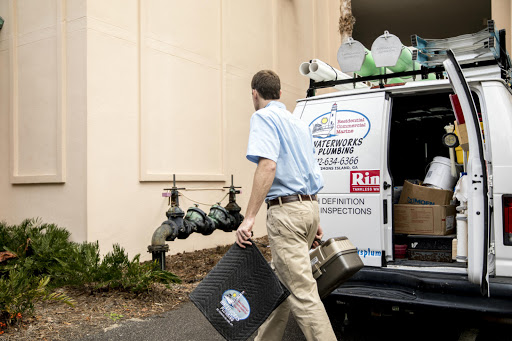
266 113
274 107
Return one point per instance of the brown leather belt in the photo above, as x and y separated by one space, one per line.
291 198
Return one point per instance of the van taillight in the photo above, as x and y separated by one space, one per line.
507 220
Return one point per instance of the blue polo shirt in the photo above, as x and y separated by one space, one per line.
281 137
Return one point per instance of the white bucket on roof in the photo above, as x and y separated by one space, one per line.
439 174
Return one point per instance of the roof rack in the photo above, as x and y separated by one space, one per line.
476 50
468 47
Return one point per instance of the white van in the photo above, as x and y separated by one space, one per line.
370 140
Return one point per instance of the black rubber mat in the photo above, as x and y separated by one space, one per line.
239 293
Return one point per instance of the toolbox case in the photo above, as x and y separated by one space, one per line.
333 262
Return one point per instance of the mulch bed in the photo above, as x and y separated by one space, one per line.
95 311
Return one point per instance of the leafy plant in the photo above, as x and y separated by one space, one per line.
42 258
39 247
19 290
80 265
45 259
114 316
118 272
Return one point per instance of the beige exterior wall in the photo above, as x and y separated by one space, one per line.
43 113
501 13
102 101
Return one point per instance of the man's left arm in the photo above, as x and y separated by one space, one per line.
263 179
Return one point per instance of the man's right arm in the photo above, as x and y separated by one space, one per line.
263 179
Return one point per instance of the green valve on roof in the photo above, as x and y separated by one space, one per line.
1 22
387 56
368 68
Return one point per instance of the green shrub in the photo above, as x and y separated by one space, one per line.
18 292
15 238
45 250
118 272
114 271
40 247
46 259
80 266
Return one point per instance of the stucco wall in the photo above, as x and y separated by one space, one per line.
43 113
102 101
169 93
501 14
113 97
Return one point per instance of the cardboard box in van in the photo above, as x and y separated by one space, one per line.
421 195
424 219
462 133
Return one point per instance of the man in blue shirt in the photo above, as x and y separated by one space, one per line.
287 178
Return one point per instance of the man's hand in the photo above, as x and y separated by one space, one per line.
318 237
263 178
244 232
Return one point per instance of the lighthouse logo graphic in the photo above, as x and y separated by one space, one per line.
326 125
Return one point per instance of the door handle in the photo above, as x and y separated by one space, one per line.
385 185
385 211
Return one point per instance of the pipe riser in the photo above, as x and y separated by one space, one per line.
159 256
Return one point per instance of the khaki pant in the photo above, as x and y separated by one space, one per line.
291 230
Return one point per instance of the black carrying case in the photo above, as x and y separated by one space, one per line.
239 293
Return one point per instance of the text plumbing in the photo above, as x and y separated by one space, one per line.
337 146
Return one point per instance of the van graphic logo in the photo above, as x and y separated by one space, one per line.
365 181
340 122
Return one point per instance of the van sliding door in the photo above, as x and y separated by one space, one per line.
478 229
350 135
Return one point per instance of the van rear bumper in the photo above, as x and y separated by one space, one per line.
417 289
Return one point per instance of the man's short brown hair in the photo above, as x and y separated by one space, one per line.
267 83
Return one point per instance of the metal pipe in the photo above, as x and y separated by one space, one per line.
167 231
177 226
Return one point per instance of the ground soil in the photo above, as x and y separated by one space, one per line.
95 311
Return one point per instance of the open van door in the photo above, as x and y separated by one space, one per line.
351 135
478 205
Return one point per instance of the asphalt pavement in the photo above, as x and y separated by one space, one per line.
187 323
184 324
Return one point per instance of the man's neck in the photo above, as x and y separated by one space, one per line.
263 103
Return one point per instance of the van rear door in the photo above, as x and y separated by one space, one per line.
478 205
351 135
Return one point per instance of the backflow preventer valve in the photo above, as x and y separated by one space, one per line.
178 225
